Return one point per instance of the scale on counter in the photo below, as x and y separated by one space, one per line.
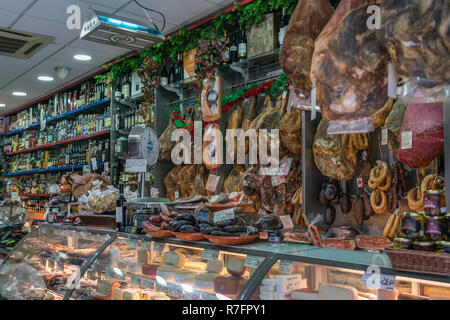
143 149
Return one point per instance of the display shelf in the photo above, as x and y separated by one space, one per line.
37 195
64 115
68 168
62 142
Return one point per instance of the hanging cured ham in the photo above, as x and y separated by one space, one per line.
212 147
211 99
307 21
349 65
416 34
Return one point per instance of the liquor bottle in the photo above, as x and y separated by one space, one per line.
118 92
164 74
121 211
233 49
226 51
242 47
126 88
283 26
172 73
179 68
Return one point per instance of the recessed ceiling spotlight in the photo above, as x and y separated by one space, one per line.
45 78
82 57
2 105
19 94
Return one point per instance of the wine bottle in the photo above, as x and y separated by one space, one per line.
242 48
283 26
172 72
226 51
164 75
233 49
121 211
126 87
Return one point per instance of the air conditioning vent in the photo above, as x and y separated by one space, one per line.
21 45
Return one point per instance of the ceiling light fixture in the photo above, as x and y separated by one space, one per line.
82 57
45 78
19 94
2 105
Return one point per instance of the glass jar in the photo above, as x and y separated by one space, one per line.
433 202
402 243
435 228
412 225
446 245
439 246
426 246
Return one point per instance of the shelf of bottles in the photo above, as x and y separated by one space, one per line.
88 97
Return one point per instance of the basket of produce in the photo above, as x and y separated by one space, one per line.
419 261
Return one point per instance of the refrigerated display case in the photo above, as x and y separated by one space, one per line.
67 262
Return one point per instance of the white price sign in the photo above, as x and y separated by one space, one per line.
384 136
253 261
223 215
406 138
286 267
136 165
374 278
286 221
87 168
211 184
159 247
210 254
94 163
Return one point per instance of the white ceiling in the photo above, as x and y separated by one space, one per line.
48 17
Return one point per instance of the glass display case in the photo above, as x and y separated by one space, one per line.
66 262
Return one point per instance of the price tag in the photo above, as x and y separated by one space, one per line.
148 283
94 163
253 261
147 176
285 167
43 124
277 180
374 278
210 254
136 165
286 221
154 193
87 168
286 267
176 194
223 215
284 94
384 136
146 245
175 291
106 166
134 243
360 182
213 181
313 104
15 196
406 140
159 247
115 274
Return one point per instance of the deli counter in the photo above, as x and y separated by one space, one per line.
56 262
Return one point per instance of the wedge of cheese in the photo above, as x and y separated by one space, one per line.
337 292
174 259
214 266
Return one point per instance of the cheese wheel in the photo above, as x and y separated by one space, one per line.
185 276
174 259
167 272
214 266
235 266
337 292
194 265
304 295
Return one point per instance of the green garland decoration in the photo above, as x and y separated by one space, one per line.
185 40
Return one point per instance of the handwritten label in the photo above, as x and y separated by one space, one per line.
406 140
94 163
134 243
286 221
223 215
253 261
211 184
286 267
159 247
374 278
384 136
87 168
277 180
146 245
210 254
136 165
